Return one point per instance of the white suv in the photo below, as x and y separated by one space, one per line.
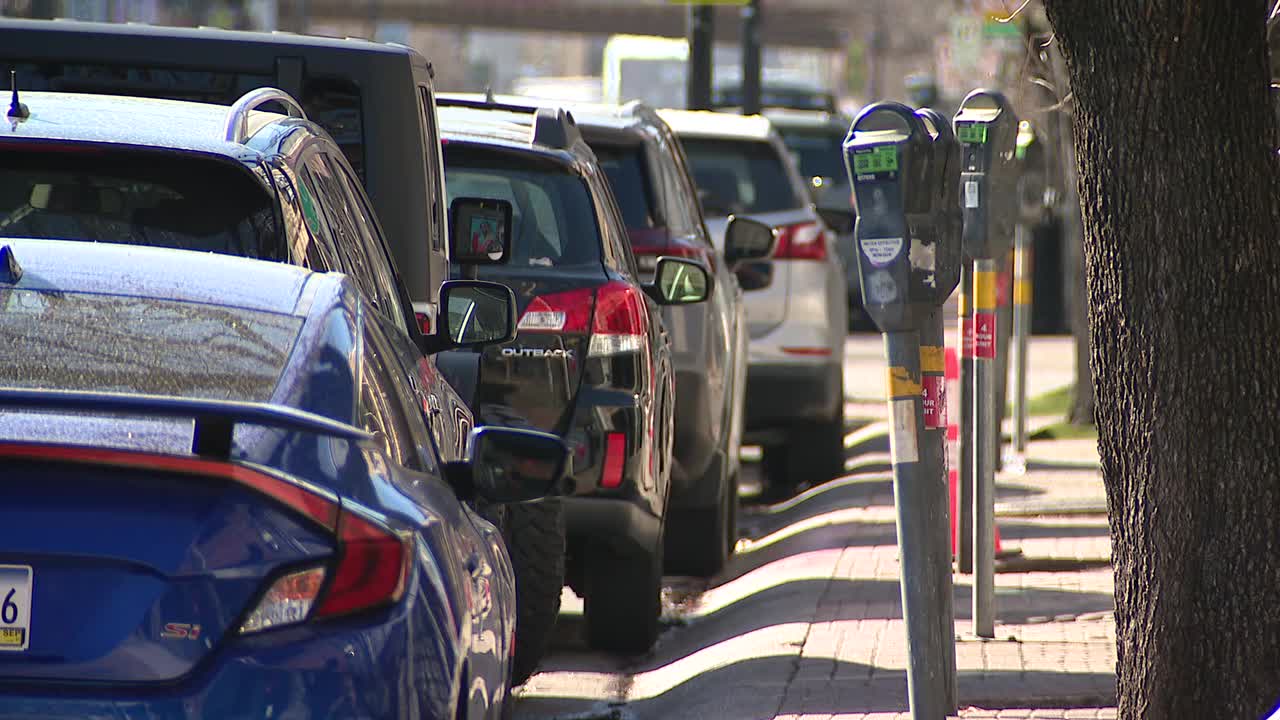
796 301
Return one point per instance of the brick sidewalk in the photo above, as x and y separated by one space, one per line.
1054 651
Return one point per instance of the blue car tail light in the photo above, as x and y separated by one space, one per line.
287 602
373 564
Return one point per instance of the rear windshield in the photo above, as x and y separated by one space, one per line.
626 171
818 153
137 198
553 219
737 176
333 103
117 343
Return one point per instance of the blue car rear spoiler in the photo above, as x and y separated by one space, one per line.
215 420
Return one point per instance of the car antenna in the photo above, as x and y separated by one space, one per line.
16 108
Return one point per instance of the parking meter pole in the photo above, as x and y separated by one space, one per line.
1004 337
1021 333
917 539
933 477
986 442
964 500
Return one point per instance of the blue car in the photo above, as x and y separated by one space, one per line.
220 499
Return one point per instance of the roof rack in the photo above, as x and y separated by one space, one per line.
237 124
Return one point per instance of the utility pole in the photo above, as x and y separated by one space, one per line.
751 51
701 44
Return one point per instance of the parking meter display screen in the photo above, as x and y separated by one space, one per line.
881 159
972 133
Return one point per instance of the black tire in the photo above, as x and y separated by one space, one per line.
780 482
623 599
535 538
817 452
697 539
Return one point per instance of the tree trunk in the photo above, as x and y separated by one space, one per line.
1179 185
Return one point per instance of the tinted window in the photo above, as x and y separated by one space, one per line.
740 176
819 154
118 343
336 205
431 140
631 187
138 198
381 412
553 221
332 103
374 245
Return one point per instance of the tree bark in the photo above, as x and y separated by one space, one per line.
1179 183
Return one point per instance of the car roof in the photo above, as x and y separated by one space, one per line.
151 39
163 273
704 123
792 118
164 124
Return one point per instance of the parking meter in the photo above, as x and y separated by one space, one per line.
945 218
887 154
987 129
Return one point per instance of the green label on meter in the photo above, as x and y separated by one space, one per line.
973 133
883 158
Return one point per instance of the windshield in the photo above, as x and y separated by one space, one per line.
740 176
819 154
553 220
138 345
137 198
625 168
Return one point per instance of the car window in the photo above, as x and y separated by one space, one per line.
139 345
625 167
740 176
382 411
334 104
308 234
139 198
553 221
684 213
374 243
336 206
817 153
431 141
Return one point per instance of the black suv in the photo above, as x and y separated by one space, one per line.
236 181
375 99
592 357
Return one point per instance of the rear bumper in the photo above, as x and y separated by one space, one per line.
626 516
780 396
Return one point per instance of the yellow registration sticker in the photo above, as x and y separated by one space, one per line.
13 637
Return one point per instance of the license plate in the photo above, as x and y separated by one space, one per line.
15 607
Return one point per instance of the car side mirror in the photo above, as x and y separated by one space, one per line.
480 231
679 281
473 313
511 465
746 239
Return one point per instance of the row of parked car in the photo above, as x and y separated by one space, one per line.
320 386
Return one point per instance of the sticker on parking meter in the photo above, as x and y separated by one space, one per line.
933 397
903 444
966 337
984 335
881 251
971 194
881 288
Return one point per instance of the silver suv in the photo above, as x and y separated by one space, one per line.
796 300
